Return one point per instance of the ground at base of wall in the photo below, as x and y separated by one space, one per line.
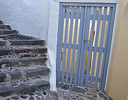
64 92
68 92
38 95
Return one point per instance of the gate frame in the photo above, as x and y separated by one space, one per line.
112 31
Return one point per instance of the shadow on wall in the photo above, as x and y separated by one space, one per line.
27 16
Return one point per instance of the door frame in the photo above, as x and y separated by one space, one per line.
110 47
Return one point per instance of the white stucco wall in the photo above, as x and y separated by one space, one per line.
27 16
36 18
52 40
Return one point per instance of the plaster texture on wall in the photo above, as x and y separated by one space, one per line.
117 86
27 16
89 1
52 40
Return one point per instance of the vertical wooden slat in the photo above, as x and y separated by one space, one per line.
65 42
96 44
74 43
85 44
81 48
58 41
79 44
98 30
103 78
70 42
90 50
62 9
101 46
109 25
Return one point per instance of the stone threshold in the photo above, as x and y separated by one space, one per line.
80 92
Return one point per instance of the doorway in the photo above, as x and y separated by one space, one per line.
84 40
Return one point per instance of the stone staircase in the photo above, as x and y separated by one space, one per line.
23 68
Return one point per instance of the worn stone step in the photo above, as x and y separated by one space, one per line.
2 43
5 26
24 86
25 61
17 36
7 31
20 55
1 22
28 42
22 42
23 72
38 95
22 49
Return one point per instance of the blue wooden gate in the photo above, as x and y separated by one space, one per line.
84 40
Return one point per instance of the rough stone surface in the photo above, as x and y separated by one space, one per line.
38 95
103 95
91 92
22 72
65 86
23 61
78 90
24 86
69 92
23 69
2 77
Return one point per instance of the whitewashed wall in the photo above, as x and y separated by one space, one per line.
28 16
52 40
36 18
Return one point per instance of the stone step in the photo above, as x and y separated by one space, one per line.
1 22
31 55
16 73
17 36
22 42
2 43
23 86
20 55
38 95
6 31
25 61
22 49
5 26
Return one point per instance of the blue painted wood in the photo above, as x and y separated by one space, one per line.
97 49
96 44
101 42
74 74
91 44
96 17
65 42
81 51
102 87
98 28
74 43
90 4
85 44
79 44
108 28
58 41
70 43
62 9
